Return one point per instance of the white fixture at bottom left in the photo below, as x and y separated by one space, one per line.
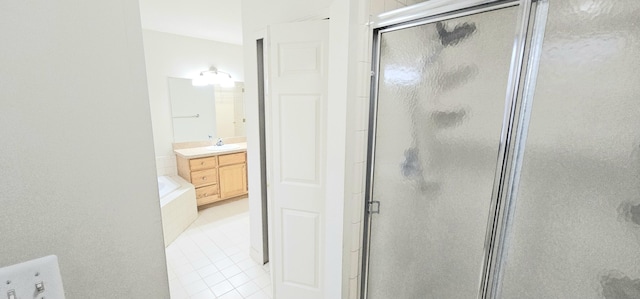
35 279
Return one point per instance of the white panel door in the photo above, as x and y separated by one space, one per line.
298 81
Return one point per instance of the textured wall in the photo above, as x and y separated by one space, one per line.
77 173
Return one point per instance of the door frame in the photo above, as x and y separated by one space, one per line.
515 120
261 49
260 226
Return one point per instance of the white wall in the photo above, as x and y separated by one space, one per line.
169 55
77 174
348 19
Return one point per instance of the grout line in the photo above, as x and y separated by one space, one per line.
203 245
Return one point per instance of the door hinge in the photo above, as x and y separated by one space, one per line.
374 207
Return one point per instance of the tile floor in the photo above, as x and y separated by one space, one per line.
211 258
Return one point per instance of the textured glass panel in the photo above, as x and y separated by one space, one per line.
440 111
576 230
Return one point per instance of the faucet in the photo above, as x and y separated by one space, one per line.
219 142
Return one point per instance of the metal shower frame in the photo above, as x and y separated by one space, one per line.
528 38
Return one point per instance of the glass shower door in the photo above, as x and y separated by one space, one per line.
576 227
440 110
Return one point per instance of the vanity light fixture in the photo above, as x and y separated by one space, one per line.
213 76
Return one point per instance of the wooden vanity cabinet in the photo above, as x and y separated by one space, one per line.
233 175
203 174
217 177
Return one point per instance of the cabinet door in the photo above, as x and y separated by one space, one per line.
233 180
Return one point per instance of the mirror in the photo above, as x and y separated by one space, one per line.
202 111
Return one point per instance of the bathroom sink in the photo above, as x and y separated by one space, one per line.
225 147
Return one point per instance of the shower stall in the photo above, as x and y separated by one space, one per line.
504 151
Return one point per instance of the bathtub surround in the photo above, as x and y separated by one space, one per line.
68 185
178 206
166 185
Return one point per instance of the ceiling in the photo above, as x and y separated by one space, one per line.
218 20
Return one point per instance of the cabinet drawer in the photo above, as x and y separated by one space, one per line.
203 163
204 177
232 159
207 200
207 191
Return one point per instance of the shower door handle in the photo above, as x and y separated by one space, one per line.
374 207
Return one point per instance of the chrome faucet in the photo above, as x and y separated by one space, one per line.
219 142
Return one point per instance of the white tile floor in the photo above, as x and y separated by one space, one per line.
211 258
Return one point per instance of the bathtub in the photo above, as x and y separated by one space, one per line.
178 206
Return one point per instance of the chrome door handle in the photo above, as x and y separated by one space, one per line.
374 207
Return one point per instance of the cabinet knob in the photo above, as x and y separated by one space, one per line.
201 163
204 178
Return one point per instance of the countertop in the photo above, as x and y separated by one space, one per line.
200 152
